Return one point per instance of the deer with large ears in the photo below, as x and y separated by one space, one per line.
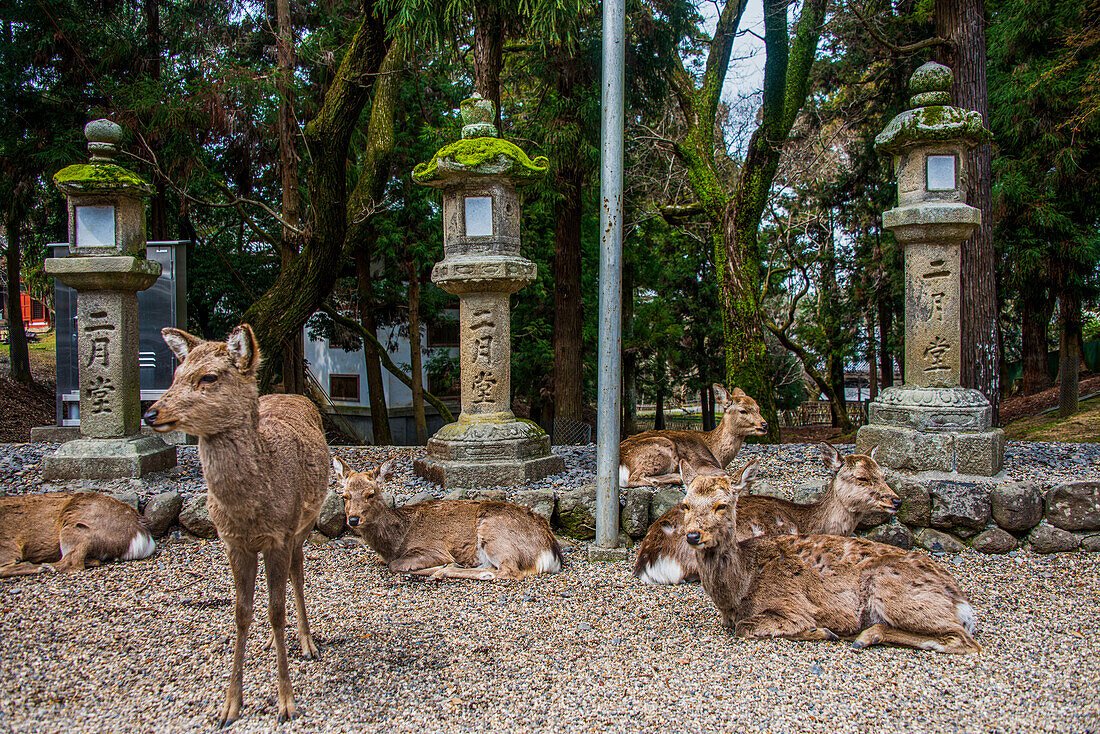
653 458
820 587
857 486
472 539
266 466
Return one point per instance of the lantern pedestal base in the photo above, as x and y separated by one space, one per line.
498 452
942 429
108 458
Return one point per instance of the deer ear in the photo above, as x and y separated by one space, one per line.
720 393
687 474
738 392
747 477
179 341
872 451
343 471
831 457
244 349
385 472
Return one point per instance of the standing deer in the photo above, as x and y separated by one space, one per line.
469 539
653 458
820 587
266 466
857 485
62 531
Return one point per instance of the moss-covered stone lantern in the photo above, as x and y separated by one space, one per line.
479 177
106 267
931 423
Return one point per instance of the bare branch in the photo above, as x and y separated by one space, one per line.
901 50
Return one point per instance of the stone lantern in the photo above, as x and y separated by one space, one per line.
478 177
931 424
107 267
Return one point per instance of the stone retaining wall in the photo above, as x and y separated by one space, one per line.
941 516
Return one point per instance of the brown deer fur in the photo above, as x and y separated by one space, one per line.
62 531
653 458
266 466
857 486
820 587
447 538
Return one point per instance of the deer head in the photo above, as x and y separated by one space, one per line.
859 482
362 491
710 507
740 412
214 387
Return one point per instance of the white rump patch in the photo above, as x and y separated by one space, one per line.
624 475
142 545
965 614
547 562
664 571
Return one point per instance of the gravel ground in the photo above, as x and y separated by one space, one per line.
785 466
146 646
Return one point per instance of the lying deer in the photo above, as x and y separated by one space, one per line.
857 485
266 466
820 587
468 539
653 458
62 531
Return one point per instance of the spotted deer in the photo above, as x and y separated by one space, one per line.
857 485
266 466
64 531
652 458
820 587
470 539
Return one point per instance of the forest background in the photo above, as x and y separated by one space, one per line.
280 136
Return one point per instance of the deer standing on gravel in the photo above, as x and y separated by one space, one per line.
63 531
857 485
653 458
266 466
820 587
470 539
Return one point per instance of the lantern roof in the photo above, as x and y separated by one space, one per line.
931 118
101 175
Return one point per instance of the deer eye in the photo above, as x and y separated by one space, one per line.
208 379
722 507
684 506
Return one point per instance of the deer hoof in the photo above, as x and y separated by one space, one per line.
309 649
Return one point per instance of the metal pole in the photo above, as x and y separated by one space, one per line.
611 276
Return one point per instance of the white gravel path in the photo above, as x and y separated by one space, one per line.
145 647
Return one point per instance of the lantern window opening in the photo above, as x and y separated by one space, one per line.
95 226
479 216
940 173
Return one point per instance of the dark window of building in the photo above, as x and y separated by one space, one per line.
344 338
443 334
38 310
344 387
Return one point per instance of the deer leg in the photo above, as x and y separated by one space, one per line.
957 641
771 624
277 562
73 558
297 580
423 563
243 564
481 574
666 479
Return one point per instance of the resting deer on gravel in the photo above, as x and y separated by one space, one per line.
820 587
266 466
62 531
857 485
470 539
653 458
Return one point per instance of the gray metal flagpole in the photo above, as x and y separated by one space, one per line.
611 275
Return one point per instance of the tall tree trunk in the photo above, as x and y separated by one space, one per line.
828 302
488 52
885 357
872 368
17 337
293 356
963 23
376 393
1035 313
659 410
568 316
630 354
1070 360
414 355
706 394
